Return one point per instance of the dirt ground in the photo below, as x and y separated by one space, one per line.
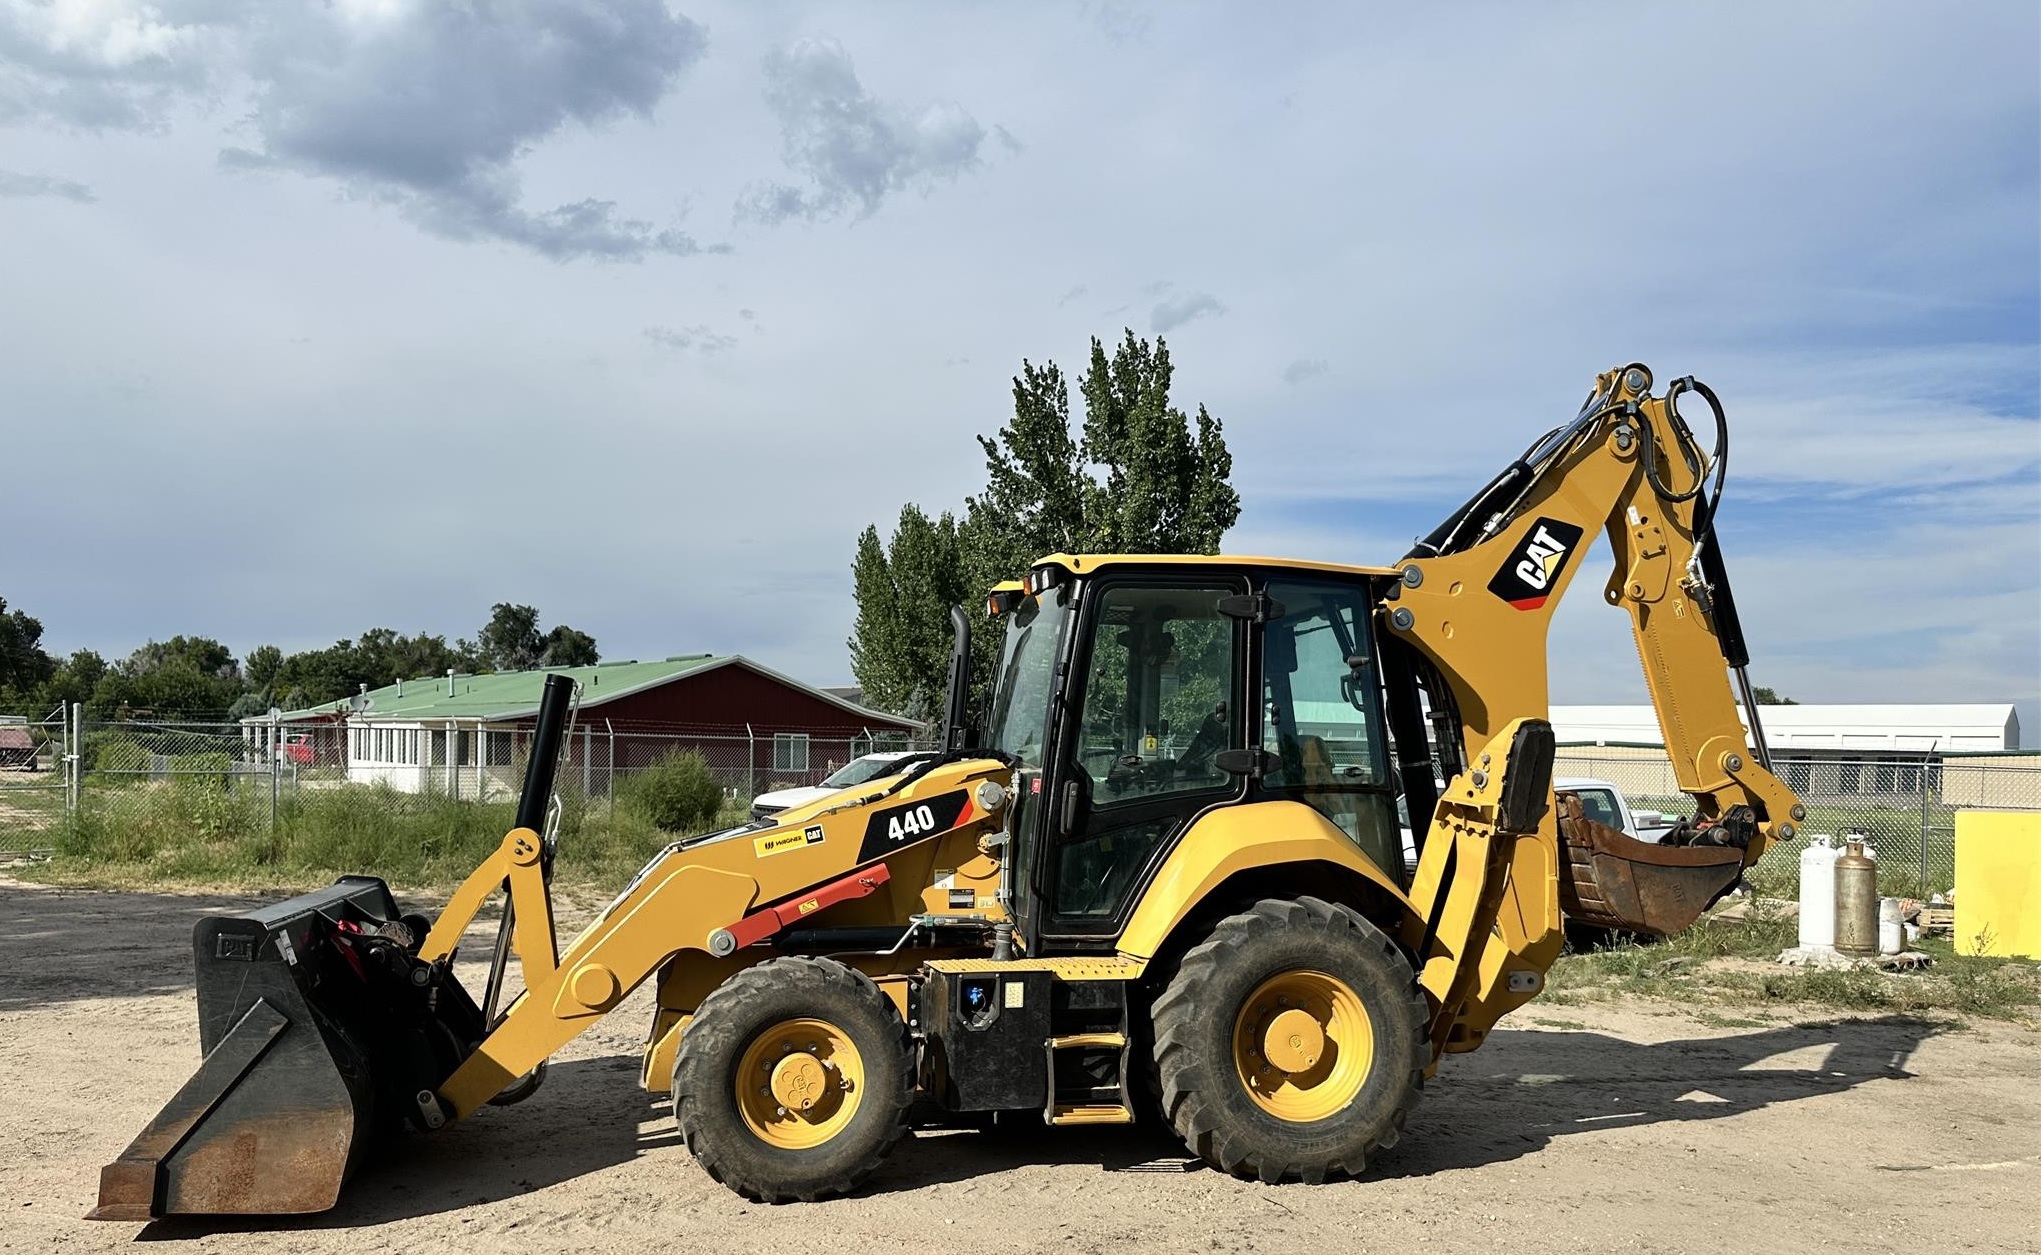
1577 1128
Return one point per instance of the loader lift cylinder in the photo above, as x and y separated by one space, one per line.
556 705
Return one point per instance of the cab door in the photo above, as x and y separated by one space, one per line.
1161 694
1321 713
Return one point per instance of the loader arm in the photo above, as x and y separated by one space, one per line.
704 902
1476 598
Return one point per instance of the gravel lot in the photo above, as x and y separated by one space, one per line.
1576 1128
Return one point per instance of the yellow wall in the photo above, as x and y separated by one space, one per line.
1998 882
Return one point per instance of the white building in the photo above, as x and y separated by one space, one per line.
1841 730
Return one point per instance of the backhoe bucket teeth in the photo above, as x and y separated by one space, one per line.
1613 880
320 1028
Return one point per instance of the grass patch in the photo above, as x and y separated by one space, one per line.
1718 965
199 831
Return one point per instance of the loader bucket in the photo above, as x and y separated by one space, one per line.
320 1027
1613 880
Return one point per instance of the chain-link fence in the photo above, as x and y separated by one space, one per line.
35 780
1905 805
49 767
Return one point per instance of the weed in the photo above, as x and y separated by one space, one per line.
221 837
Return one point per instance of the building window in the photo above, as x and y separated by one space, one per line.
790 751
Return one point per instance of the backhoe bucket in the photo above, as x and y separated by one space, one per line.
1613 880
320 1027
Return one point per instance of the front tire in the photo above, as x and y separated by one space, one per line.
1290 1044
793 1081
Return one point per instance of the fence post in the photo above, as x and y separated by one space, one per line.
275 779
750 764
74 757
610 785
1924 823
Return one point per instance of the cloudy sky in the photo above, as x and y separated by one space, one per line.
373 312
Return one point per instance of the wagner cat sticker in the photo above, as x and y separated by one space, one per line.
896 826
1534 566
781 842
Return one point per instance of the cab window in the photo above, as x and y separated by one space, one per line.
1322 713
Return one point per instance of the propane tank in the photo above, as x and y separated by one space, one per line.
1856 899
1891 926
1817 893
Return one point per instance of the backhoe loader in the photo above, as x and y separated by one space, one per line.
1163 873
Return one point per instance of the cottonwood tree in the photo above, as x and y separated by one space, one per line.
1137 475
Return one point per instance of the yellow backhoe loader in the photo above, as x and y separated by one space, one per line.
1163 873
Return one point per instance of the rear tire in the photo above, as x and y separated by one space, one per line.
1290 1044
793 1080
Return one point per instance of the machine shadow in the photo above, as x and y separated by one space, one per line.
585 1118
1524 1090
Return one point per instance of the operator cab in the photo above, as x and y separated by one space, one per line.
1138 693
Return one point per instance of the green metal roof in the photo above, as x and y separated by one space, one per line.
509 694
515 694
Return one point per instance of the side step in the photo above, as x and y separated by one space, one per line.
1066 1107
1096 1113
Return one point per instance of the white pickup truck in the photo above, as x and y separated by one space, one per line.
1605 804
1602 801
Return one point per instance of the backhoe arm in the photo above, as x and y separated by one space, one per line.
1476 598
1478 595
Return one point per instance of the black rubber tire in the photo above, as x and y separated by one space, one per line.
729 1019
1203 1097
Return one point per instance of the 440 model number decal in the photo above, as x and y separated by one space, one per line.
896 826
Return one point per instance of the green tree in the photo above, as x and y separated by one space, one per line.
512 641
185 675
262 664
569 647
24 667
379 657
74 680
1771 697
900 648
1138 475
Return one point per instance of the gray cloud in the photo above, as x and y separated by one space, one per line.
430 108
102 68
1174 311
1302 369
703 339
1070 296
13 184
426 107
854 149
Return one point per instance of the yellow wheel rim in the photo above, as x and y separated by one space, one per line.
799 1083
1303 1046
